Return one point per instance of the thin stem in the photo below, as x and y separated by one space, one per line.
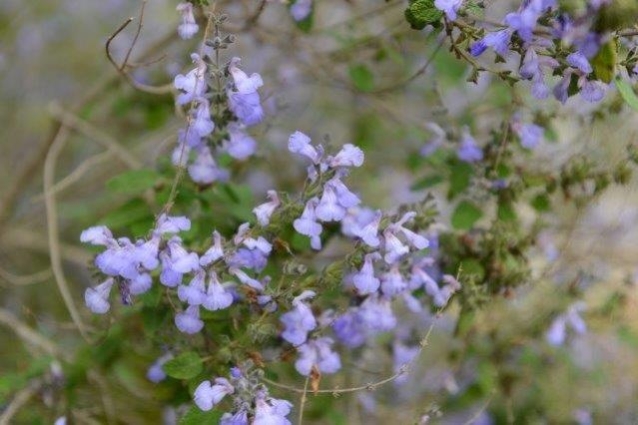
302 402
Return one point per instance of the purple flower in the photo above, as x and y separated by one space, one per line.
393 247
299 143
201 122
217 298
238 418
244 101
593 91
417 241
392 282
350 329
208 395
348 156
499 41
301 9
176 261
271 411
97 299
264 211
246 280
328 208
364 280
530 134
155 372
450 7
557 332
98 235
363 224
561 89
195 292
240 145
205 170
376 314
307 224
188 321
524 22
578 60
166 224
193 84
188 28
469 151
299 321
213 253
317 352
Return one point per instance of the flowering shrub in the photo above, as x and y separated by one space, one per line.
244 312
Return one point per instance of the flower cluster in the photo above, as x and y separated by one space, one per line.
251 402
241 99
551 39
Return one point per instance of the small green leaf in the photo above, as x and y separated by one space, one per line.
131 212
627 93
185 366
465 215
541 203
422 12
604 63
134 181
460 178
362 77
195 416
427 181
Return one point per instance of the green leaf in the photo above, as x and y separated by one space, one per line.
185 366
465 215
460 177
362 77
422 12
604 63
627 93
427 181
134 181
131 212
541 203
195 416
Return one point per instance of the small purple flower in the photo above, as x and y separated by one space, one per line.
188 28
208 395
307 224
593 91
319 353
273 413
417 241
217 297
195 292
299 321
393 247
238 418
188 321
192 85
201 123
301 9
264 211
155 372
244 101
328 208
499 41
578 60
561 89
524 22
350 329
530 134
205 170
450 7
469 151
392 282
213 253
97 299
246 280
364 280
403 356
376 313
348 156
240 145
299 143
363 224
98 235
166 224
